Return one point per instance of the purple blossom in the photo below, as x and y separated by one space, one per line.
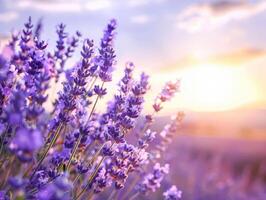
74 149
152 181
116 134
73 43
100 91
142 87
172 193
73 89
38 28
134 103
60 43
13 112
102 181
108 150
26 38
3 195
17 182
166 94
82 168
36 79
126 159
14 40
146 139
106 58
57 190
170 130
25 143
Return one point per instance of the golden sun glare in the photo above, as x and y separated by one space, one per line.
211 87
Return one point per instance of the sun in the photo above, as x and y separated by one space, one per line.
211 87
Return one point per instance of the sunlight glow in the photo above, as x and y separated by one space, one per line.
211 87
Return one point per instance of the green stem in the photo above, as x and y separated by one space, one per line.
73 152
96 155
7 173
142 131
80 135
90 163
90 179
76 179
57 133
92 84
94 105
93 175
134 196
2 141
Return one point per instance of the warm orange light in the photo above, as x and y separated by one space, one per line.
211 87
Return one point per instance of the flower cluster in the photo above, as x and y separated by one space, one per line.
172 193
153 180
166 94
168 133
75 150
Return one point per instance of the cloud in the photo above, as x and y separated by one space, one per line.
208 15
94 5
49 6
140 19
236 58
136 3
69 6
8 16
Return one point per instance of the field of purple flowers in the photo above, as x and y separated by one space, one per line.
67 149
75 152
220 171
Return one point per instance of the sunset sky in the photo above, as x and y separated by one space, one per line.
217 48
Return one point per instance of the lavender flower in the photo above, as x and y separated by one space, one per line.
75 149
14 40
134 103
60 43
37 76
126 159
57 190
166 94
74 88
25 143
73 43
117 106
100 91
102 181
25 42
38 29
172 193
146 139
106 58
13 112
108 150
4 196
152 181
17 182
169 132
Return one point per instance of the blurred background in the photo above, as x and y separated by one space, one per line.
217 48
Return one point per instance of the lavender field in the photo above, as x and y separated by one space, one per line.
128 100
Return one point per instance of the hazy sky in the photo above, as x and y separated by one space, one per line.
218 48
